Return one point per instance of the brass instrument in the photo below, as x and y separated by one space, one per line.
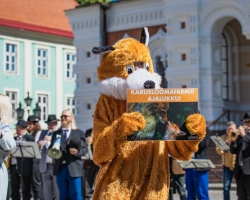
234 134
7 161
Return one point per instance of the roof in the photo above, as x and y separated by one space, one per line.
46 16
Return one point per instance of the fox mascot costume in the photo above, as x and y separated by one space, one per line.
137 170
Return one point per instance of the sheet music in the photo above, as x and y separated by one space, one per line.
220 143
26 150
196 163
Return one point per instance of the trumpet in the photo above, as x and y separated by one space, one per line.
7 161
234 134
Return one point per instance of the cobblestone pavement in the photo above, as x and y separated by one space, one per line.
214 195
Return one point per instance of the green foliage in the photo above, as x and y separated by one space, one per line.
86 2
178 112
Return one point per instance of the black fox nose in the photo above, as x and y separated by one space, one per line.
149 84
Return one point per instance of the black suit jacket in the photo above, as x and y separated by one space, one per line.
203 145
241 144
74 163
25 167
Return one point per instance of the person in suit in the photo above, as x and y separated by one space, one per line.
197 179
68 169
240 146
21 168
90 169
34 129
228 161
46 167
7 142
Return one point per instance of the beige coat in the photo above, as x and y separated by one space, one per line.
228 159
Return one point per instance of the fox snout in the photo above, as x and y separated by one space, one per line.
149 84
142 79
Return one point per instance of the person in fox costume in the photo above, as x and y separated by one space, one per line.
132 170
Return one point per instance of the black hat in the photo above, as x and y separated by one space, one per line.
22 123
75 142
88 132
32 118
246 117
51 119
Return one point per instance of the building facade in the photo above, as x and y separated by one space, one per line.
200 44
37 57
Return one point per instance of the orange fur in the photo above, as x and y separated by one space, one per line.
132 170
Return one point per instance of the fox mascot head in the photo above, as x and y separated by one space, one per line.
126 65
132 170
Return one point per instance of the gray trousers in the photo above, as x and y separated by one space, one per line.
36 180
50 189
3 181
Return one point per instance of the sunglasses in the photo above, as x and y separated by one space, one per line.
65 116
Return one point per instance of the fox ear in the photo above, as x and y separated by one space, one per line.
144 36
102 50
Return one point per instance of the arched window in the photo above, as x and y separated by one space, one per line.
224 63
160 69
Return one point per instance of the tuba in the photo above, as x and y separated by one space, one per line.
234 134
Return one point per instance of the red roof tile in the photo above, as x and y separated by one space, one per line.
45 14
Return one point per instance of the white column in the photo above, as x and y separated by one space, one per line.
28 74
59 80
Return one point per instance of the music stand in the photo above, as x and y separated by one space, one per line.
223 147
26 149
196 164
220 143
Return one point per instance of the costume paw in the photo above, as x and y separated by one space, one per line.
196 124
132 122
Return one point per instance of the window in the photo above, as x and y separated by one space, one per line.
42 62
43 103
11 58
183 25
88 80
71 60
89 106
225 66
71 105
13 99
160 69
183 57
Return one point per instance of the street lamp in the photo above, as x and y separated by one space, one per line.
20 111
28 101
37 111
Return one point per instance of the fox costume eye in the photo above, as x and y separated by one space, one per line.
146 66
129 69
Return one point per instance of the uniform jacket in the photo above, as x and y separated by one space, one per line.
44 152
228 159
74 163
236 148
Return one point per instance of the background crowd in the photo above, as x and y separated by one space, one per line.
70 176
